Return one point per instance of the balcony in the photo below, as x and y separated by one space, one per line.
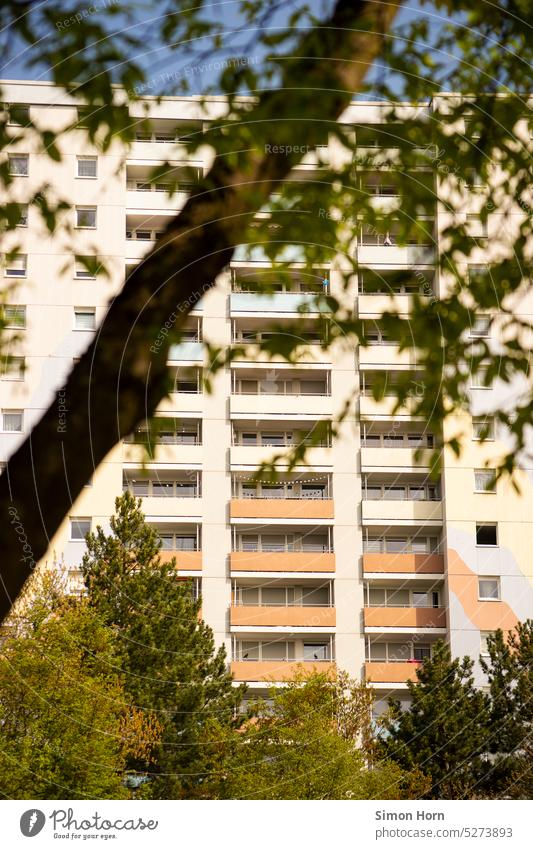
391 673
376 305
279 303
163 453
403 563
281 508
277 670
186 561
254 455
297 616
395 457
282 561
407 255
404 617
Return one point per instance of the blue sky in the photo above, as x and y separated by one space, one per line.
164 66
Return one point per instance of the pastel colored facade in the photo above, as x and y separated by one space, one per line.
355 559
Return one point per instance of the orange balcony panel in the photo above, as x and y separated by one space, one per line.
276 670
391 673
414 563
405 617
187 560
282 561
320 617
281 508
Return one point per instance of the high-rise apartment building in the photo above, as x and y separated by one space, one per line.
357 558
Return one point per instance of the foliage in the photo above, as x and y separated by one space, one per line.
312 740
167 652
63 723
445 732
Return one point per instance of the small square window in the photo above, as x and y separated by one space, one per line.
489 589
84 318
79 528
13 368
87 166
84 268
17 266
18 114
479 378
487 535
483 427
14 316
484 480
484 638
480 326
12 421
19 164
86 217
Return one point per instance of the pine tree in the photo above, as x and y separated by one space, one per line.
169 659
445 732
509 670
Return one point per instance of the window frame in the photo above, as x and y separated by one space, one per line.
485 490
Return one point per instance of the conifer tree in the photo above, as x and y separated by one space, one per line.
171 666
445 732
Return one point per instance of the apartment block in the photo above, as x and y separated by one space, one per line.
358 558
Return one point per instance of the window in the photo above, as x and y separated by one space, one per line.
484 480
23 215
480 326
12 421
16 266
87 166
14 316
484 638
476 227
19 115
13 368
483 427
316 651
79 528
487 535
19 164
421 652
84 318
86 217
489 589
84 268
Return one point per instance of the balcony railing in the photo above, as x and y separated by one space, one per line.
272 496
397 441
396 493
323 548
